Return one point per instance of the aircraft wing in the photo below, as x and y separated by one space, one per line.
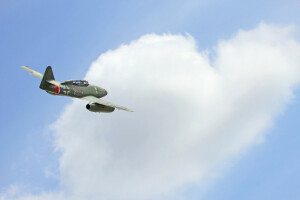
33 73
92 99
39 75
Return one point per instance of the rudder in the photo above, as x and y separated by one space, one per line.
48 75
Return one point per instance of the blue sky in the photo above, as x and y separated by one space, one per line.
70 35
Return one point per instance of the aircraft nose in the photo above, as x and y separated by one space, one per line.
105 92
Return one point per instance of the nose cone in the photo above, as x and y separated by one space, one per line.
103 92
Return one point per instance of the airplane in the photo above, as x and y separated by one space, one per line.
80 89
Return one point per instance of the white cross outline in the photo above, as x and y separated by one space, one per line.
96 90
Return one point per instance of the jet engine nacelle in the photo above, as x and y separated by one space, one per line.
94 107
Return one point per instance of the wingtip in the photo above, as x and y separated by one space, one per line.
125 109
26 68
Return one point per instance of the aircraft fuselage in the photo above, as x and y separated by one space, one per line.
77 91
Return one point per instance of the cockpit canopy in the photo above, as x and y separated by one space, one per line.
76 82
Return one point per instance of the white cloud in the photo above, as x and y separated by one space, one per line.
191 114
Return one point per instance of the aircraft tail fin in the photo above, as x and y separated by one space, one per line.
48 76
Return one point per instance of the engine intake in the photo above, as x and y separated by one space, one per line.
94 107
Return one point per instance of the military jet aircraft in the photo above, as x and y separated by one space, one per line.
80 89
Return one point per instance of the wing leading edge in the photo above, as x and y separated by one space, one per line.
92 99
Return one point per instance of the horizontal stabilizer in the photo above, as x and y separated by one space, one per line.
33 73
54 82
